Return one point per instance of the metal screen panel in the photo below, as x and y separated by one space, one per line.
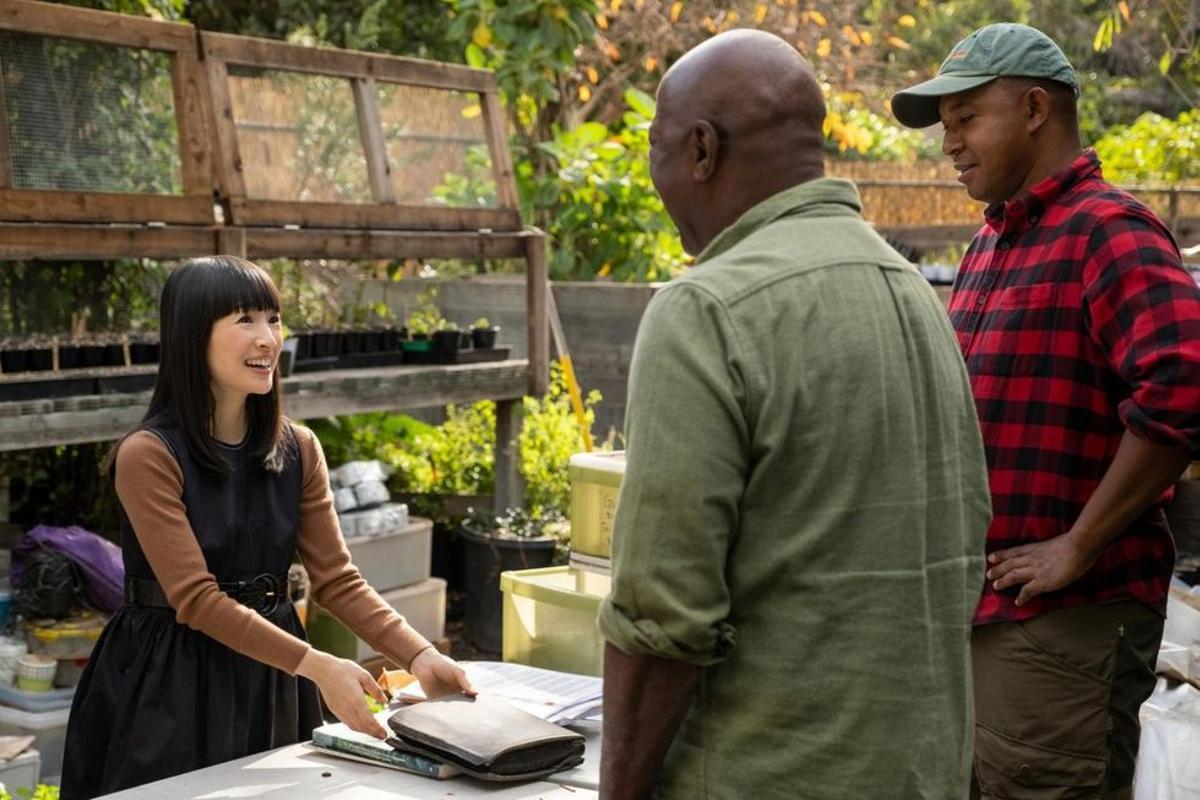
89 117
298 136
436 146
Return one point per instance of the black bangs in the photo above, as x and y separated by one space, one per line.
231 284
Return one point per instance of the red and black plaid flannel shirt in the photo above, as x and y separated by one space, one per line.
1077 322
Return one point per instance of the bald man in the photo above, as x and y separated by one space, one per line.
799 535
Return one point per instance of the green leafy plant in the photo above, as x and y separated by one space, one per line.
1153 150
518 523
601 210
427 319
550 435
481 324
43 791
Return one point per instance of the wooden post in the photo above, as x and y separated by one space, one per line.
231 242
1173 210
509 491
535 308
5 148
374 148
497 135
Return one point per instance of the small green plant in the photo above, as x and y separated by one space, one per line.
481 324
550 435
427 319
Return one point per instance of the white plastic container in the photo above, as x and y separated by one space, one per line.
595 484
21 772
10 650
395 558
35 673
49 730
423 605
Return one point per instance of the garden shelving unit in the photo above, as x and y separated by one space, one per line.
275 151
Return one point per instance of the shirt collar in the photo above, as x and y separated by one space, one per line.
822 197
1026 209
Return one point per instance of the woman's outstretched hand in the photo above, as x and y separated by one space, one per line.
439 675
342 684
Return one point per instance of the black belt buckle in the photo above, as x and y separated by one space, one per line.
262 594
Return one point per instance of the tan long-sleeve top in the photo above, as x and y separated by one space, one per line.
149 484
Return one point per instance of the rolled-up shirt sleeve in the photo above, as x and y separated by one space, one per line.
687 442
1143 310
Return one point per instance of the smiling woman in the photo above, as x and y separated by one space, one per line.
207 661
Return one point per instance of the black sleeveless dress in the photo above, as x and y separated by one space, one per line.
158 698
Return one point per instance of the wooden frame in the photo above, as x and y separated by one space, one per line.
190 98
364 71
71 225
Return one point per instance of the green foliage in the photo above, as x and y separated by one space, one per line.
529 43
855 132
455 457
602 213
427 319
43 791
550 435
1153 150
517 523
481 323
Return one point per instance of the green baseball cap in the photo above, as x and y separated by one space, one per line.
1003 49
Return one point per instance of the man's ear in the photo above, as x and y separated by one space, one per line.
707 146
1036 107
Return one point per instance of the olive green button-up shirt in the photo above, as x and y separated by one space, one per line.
803 513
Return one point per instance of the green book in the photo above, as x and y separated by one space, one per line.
339 740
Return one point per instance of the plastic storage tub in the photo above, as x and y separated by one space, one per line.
49 729
550 619
65 639
21 772
422 604
394 558
595 483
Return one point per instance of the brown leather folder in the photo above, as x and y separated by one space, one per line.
485 737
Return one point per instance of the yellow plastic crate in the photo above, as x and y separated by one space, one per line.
595 484
550 619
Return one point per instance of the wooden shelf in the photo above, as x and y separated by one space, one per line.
98 418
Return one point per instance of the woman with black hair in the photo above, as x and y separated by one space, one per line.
207 661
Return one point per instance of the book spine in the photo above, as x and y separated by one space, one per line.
408 761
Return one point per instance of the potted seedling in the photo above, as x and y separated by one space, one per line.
494 543
446 338
483 334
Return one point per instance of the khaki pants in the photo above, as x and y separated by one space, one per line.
1057 699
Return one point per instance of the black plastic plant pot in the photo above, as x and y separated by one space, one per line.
485 557
91 355
70 356
39 359
484 338
352 342
303 345
16 360
446 341
139 353
389 340
114 355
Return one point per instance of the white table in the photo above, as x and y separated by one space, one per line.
297 772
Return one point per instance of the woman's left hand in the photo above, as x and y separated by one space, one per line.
439 675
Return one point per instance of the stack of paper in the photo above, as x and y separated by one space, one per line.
559 697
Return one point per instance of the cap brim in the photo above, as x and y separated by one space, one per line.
917 107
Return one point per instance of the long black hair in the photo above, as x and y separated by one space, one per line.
195 296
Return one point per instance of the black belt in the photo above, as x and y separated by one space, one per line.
263 594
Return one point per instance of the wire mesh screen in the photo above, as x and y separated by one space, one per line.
298 136
89 117
436 146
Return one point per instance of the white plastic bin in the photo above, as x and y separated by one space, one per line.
49 729
395 558
423 605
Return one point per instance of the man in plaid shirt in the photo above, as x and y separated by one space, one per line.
1081 333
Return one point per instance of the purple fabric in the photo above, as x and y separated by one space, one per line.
99 562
